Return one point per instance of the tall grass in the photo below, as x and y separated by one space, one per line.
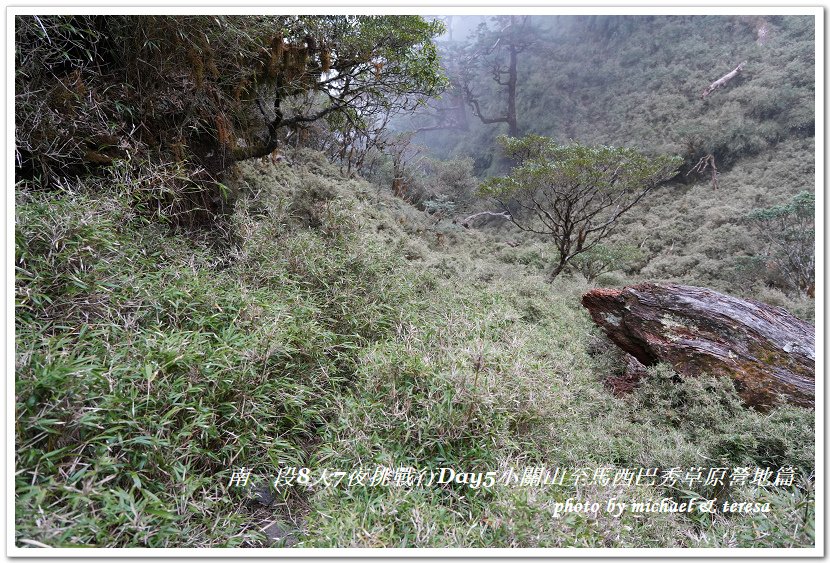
325 331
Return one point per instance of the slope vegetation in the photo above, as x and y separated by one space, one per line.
637 81
326 326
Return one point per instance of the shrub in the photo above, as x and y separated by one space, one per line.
789 233
606 258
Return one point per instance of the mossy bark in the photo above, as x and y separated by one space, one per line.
768 353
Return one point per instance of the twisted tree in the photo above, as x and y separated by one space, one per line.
498 51
574 194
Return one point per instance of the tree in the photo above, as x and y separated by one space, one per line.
209 90
500 51
789 233
173 102
574 194
360 67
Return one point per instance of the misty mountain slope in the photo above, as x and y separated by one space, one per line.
292 355
638 82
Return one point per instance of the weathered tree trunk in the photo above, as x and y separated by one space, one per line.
516 44
767 352
557 269
512 80
465 222
723 80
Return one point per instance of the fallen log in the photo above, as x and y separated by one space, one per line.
768 353
723 80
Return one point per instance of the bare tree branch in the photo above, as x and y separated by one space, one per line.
466 221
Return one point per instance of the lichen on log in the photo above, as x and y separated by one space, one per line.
768 353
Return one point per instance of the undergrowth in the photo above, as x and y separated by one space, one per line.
327 332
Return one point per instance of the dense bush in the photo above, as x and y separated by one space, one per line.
199 93
606 258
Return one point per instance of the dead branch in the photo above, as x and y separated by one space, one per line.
705 162
723 80
466 222
763 33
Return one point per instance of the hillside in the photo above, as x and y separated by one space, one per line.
335 335
294 351
637 82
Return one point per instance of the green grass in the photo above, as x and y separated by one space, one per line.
326 331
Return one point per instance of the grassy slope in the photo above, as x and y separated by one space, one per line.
638 84
760 129
331 330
